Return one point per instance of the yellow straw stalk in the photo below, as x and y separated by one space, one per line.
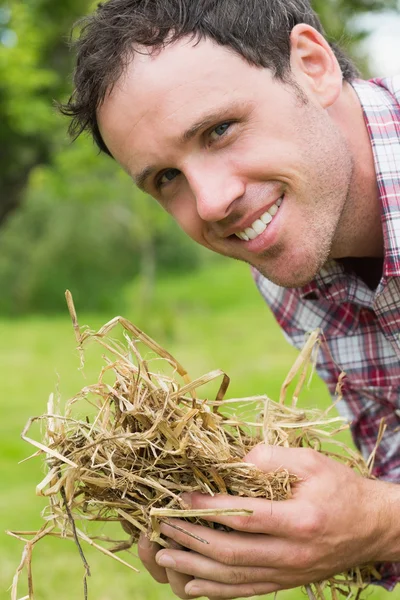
150 438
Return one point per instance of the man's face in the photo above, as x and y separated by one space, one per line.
228 151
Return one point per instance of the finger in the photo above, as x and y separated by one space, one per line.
230 547
297 461
213 589
147 553
178 582
196 565
278 518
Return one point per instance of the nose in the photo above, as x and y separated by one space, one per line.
216 190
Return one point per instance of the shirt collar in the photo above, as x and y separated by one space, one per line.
380 101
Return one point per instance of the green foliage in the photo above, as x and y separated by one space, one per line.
338 18
26 81
34 70
82 225
242 339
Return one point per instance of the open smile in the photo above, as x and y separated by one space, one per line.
254 235
260 225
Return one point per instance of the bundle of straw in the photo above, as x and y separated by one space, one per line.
151 438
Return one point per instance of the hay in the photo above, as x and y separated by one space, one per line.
150 438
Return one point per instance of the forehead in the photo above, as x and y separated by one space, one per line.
161 94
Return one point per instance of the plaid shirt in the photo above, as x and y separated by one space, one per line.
361 326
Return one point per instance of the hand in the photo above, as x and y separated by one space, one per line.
148 551
332 522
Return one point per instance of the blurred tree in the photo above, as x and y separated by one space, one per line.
82 224
34 69
339 20
337 14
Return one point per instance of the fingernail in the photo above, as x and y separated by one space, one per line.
192 589
165 560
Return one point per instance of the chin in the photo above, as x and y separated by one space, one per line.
293 269
289 282
289 278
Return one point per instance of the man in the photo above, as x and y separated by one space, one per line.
255 135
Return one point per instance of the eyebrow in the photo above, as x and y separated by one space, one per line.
141 177
205 121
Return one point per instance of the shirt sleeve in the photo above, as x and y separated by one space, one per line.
364 408
363 405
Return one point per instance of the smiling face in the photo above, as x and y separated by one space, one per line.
245 164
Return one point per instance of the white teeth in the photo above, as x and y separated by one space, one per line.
251 234
266 218
273 210
260 225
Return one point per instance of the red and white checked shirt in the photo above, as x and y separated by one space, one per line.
361 326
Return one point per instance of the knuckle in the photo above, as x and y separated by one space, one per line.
311 524
312 459
292 559
233 577
228 556
257 452
253 590
297 560
303 559
243 523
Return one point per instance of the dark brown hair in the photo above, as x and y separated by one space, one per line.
257 30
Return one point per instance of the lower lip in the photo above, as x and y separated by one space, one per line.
267 237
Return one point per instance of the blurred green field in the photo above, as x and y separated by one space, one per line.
208 320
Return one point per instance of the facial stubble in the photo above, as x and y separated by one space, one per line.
332 196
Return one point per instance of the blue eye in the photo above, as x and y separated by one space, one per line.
220 130
168 176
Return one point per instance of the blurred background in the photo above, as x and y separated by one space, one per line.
70 218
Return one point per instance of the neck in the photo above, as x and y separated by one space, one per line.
361 233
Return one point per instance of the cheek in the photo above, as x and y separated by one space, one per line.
183 211
266 157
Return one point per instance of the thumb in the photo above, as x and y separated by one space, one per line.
297 461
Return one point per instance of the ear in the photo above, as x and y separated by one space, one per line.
315 65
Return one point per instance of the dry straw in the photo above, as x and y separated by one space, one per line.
150 438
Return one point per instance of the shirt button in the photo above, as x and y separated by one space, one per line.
323 272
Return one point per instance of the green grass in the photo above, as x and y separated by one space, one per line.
208 320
